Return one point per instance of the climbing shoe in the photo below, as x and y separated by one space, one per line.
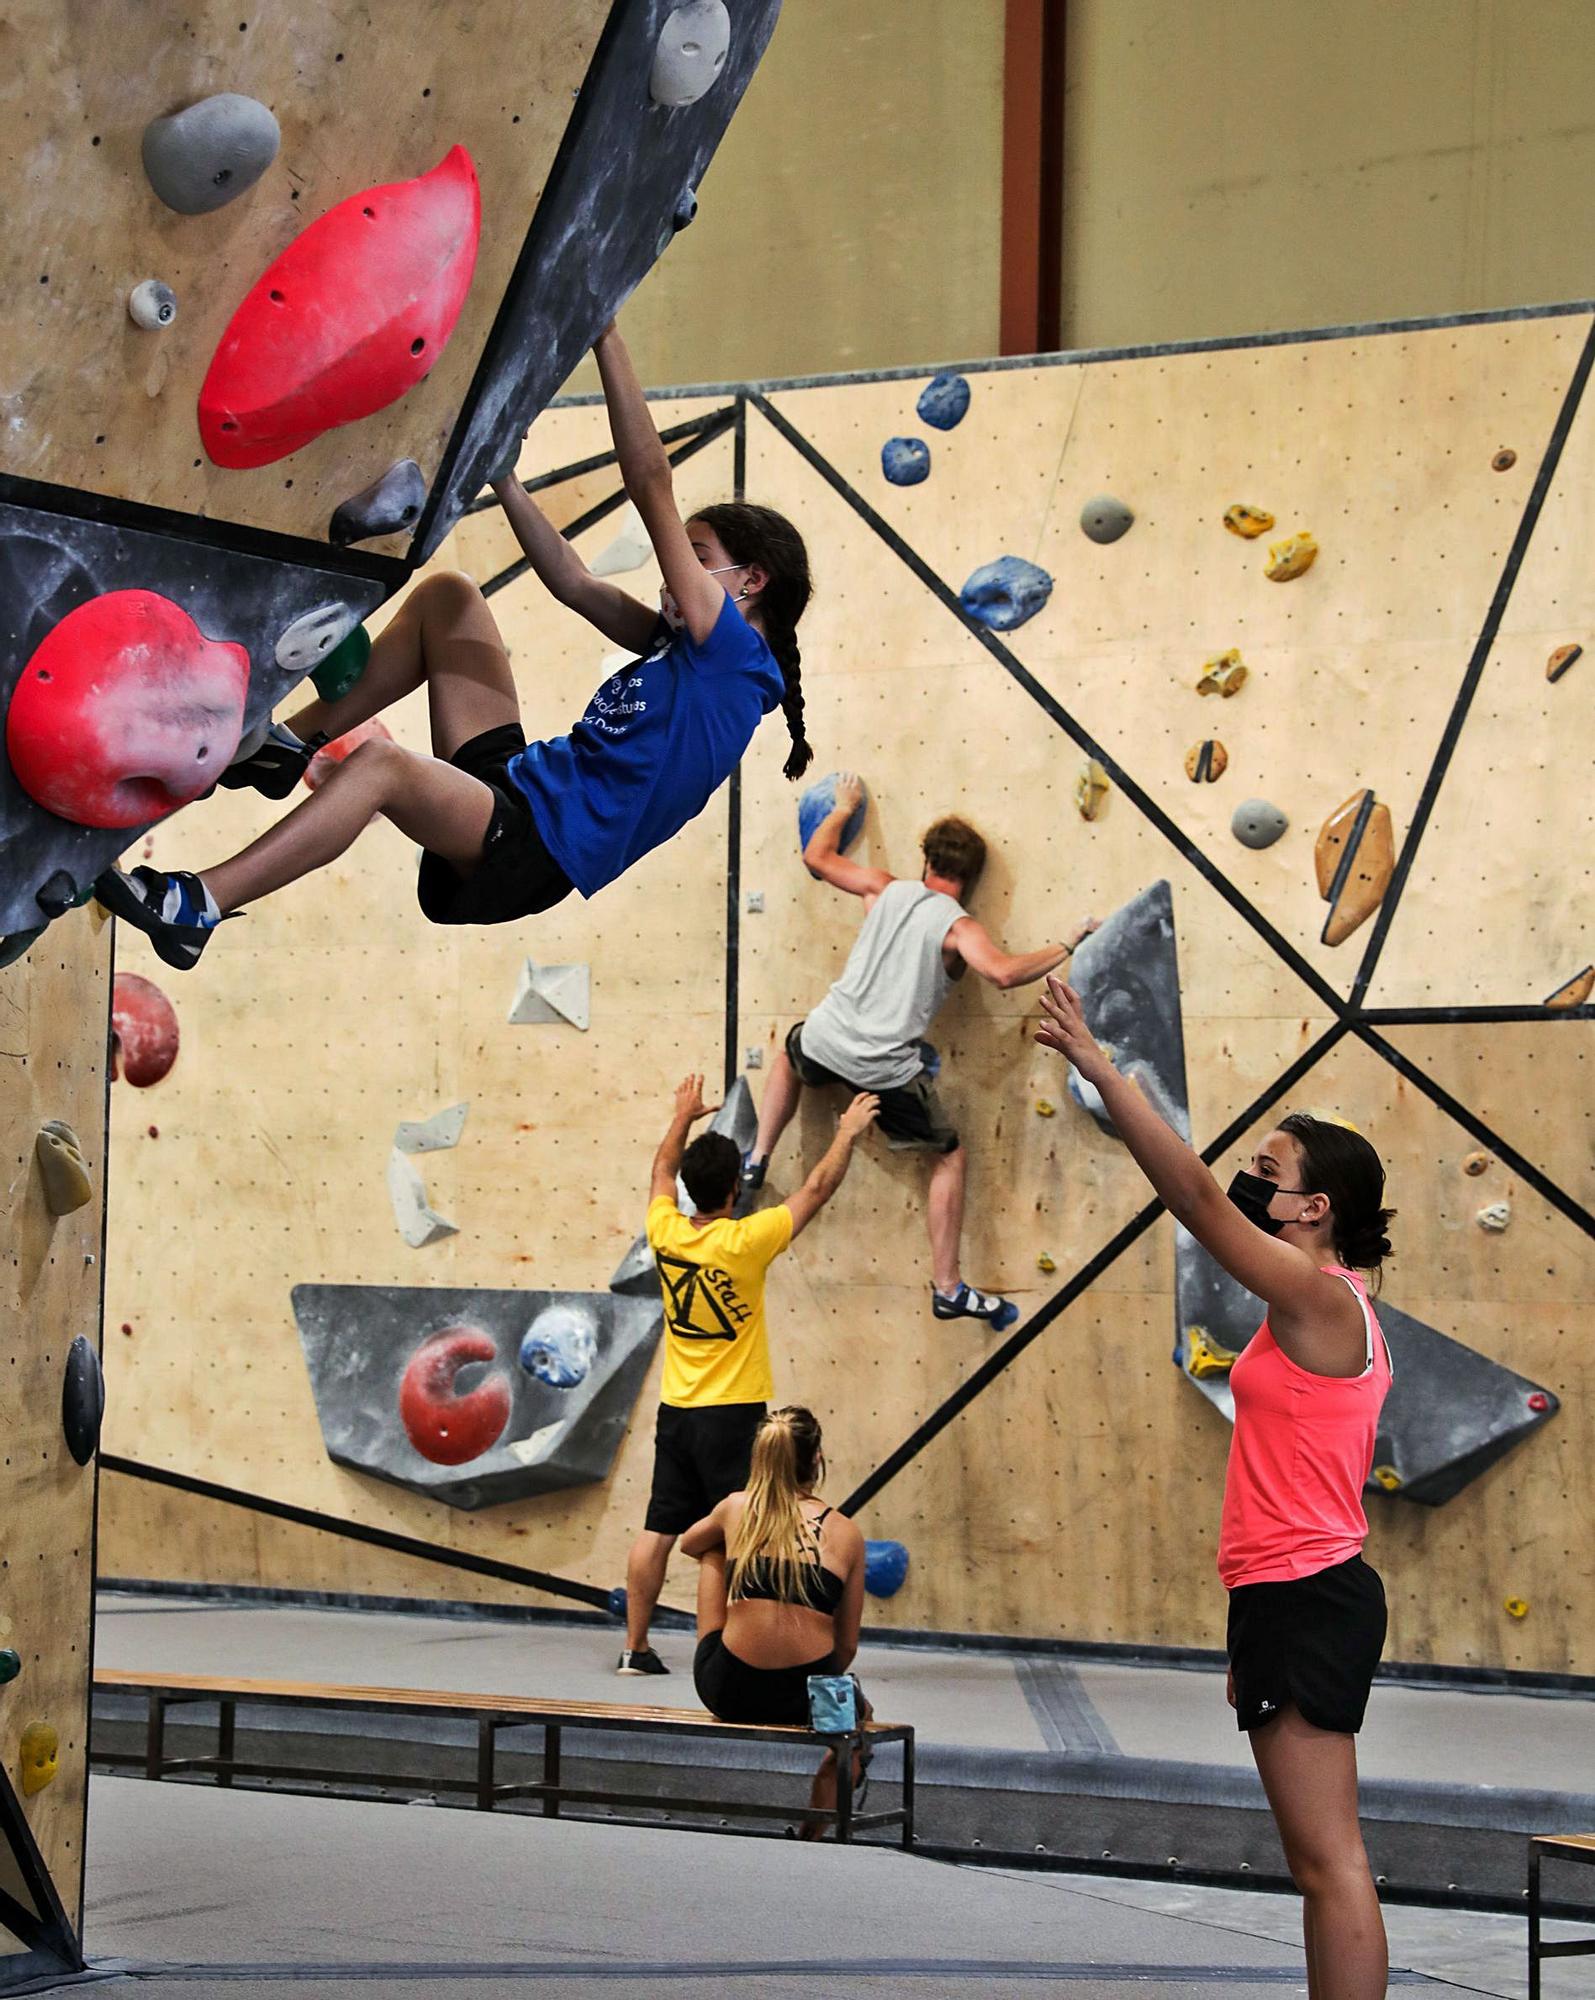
752 1173
175 912
276 765
645 1662
967 1303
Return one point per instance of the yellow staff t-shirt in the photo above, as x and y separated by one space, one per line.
717 1348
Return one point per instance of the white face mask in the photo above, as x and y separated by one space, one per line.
670 610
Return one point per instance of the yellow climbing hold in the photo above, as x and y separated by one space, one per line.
1290 558
1204 1356
39 1755
1091 789
1517 1607
1224 674
1249 522
61 1168
1044 1107
1387 1477
1045 1263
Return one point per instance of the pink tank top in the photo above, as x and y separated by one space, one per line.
1301 1454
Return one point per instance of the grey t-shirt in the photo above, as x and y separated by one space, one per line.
867 1027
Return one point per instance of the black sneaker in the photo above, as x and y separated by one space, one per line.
168 909
752 1176
966 1303
274 766
645 1662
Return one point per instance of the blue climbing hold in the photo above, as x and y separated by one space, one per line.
943 403
885 1568
618 1602
929 1058
1004 593
559 1347
905 461
818 803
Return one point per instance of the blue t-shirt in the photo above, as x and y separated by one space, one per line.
657 741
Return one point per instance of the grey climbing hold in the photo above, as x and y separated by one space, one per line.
82 1400
548 993
1004 593
943 402
905 461
152 305
431 1135
738 1117
58 895
1127 974
1495 1216
1105 519
686 209
561 1345
310 638
387 506
690 53
202 158
636 1275
1256 823
418 1222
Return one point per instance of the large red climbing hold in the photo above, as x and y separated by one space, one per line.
143 1030
444 1425
125 711
352 314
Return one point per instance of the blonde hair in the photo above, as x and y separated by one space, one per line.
787 1463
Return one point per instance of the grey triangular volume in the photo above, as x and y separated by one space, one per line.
552 993
1127 974
30 1908
636 1275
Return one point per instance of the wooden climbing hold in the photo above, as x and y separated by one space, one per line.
1561 660
1354 857
1091 790
1291 558
1204 1356
61 1167
1224 674
1504 459
1476 1164
1248 522
39 1756
1575 991
1206 761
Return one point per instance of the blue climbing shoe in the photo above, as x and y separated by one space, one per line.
966 1303
175 912
276 765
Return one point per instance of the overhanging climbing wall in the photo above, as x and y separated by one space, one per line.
54 1008
1064 1481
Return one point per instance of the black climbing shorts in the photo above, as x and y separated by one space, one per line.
1314 1642
910 1116
700 1456
735 1692
516 876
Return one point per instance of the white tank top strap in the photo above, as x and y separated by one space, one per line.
1370 1325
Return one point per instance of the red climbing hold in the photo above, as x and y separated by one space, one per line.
331 755
443 1425
143 1030
125 711
352 314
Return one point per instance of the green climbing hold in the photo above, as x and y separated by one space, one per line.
10 1664
343 666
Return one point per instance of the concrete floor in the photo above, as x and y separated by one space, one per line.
242 1894
977 1700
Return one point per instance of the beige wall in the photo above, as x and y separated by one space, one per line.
1229 170
851 217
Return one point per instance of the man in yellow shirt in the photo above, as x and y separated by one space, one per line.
717 1382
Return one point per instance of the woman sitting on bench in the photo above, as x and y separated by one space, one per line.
780 1590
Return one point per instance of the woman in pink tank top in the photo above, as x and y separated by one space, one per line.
1307 1614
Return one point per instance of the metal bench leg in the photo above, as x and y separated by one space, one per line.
551 1734
486 1743
908 1792
1534 1922
226 1733
155 1740
844 1787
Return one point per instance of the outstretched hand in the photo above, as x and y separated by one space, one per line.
849 791
689 1100
860 1115
1082 931
1063 1028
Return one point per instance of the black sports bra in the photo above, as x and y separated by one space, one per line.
821 1588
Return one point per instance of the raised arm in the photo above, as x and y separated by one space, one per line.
650 485
828 1176
980 951
689 1108
823 855
1281 1274
619 616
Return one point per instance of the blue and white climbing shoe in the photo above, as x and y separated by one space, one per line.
177 913
966 1303
275 765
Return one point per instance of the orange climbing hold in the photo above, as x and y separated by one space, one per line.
1575 991
1354 858
1291 558
1248 522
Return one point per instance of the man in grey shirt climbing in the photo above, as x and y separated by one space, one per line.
917 940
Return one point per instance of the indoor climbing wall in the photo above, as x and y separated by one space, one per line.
55 1007
1359 723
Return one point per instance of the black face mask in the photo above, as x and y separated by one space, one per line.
1251 1194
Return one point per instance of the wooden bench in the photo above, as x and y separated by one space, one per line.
1554 1847
493 1714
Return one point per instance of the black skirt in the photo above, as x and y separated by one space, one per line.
1313 1643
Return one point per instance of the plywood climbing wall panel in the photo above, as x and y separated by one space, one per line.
54 1018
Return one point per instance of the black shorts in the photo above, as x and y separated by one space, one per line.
910 1115
517 876
1314 1642
735 1692
699 1457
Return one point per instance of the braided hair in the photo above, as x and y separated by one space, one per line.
751 534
